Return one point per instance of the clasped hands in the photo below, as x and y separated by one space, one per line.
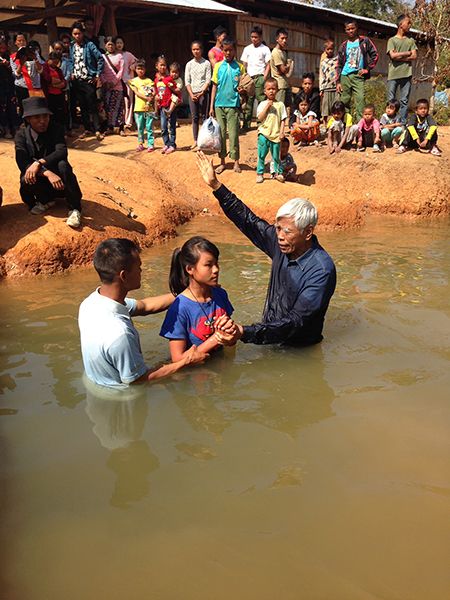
226 332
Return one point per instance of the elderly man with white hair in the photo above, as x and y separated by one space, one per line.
303 276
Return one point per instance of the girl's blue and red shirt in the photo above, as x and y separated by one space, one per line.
193 321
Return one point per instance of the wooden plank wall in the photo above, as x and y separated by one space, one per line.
305 46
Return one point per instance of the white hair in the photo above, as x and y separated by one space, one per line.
303 211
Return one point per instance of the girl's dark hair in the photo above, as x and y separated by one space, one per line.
395 103
197 42
338 107
161 58
77 25
110 38
176 65
55 55
140 63
188 256
16 35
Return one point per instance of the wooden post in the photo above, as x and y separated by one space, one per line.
52 28
110 20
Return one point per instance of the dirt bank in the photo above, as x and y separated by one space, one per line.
145 196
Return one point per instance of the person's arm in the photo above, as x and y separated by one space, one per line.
153 304
282 128
258 231
264 111
372 55
60 152
213 97
191 357
24 158
339 66
120 68
330 141
212 59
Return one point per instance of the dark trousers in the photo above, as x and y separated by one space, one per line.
408 141
55 103
9 118
21 94
197 109
87 99
42 191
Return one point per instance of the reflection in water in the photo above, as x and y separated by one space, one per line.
312 473
119 419
286 397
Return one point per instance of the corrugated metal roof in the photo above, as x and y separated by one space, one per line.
360 18
194 5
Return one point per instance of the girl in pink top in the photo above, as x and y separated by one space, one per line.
128 74
113 86
369 130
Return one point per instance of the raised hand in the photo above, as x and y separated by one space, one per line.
206 169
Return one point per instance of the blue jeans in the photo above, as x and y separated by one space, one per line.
169 129
405 90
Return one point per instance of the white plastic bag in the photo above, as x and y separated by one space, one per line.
209 137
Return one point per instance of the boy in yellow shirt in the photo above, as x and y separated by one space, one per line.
272 115
144 93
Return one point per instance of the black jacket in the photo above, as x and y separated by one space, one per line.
368 51
53 147
297 300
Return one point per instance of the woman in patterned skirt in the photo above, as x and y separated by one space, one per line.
113 86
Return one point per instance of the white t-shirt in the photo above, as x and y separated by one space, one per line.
256 59
110 343
304 118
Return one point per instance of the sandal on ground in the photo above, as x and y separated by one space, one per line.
376 148
360 149
401 150
237 170
122 133
140 148
99 135
395 146
83 136
220 169
435 151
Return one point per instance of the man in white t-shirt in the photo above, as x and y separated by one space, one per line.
256 60
110 344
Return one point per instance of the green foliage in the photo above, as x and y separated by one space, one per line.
441 114
386 10
376 94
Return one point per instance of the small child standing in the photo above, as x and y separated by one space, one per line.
306 128
327 80
369 130
341 131
390 124
272 115
421 131
144 94
287 163
165 86
175 98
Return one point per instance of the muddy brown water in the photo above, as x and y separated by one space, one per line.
314 474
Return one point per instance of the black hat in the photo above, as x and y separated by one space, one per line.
35 106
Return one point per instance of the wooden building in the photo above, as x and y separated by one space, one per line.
169 26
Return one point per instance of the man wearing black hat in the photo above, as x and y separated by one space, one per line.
41 155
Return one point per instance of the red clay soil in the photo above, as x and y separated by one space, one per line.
162 192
